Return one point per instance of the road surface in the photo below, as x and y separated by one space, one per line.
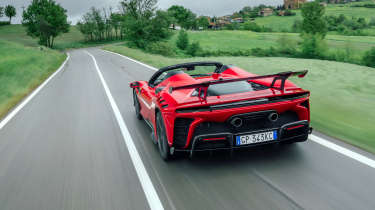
68 149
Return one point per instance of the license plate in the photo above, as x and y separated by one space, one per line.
256 138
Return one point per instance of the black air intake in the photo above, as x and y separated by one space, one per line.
181 131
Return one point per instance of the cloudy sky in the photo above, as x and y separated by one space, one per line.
201 7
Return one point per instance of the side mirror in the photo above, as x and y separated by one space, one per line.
134 85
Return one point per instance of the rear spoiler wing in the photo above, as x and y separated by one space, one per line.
282 76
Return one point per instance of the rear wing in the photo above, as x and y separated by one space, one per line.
282 76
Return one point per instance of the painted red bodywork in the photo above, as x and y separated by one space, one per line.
151 102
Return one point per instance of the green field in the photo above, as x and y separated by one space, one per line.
22 69
342 95
245 40
285 23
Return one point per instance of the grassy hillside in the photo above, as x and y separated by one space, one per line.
22 69
17 33
342 95
285 23
244 40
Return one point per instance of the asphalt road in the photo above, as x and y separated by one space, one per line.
65 150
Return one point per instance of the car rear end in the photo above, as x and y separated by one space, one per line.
229 122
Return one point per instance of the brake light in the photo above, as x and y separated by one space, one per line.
295 127
214 139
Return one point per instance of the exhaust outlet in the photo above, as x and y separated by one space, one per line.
236 122
273 117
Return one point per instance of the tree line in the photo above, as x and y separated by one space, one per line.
138 21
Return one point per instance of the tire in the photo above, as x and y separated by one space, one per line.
137 106
164 149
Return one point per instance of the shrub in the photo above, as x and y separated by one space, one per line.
313 46
193 49
286 45
289 13
232 26
369 58
297 26
3 23
161 48
264 52
182 40
251 26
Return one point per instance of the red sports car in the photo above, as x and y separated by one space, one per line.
207 106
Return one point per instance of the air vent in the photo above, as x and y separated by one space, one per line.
181 131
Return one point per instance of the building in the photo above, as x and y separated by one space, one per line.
219 22
293 4
237 20
266 12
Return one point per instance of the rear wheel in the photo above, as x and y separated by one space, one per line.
137 106
164 148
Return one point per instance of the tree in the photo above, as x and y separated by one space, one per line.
369 58
313 21
10 11
142 24
203 22
182 40
1 11
116 20
193 49
313 46
92 25
45 20
182 16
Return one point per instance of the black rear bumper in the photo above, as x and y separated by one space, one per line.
285 134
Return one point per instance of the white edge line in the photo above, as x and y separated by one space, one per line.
342 150
32 95
143 64
150 192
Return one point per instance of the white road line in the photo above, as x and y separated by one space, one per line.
150 192
143 64
342 150
31 96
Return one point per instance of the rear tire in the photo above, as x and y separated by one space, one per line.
137 106
164 148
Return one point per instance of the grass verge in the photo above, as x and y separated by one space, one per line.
22 69
343 95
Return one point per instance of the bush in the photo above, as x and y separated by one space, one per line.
286 45
313 46
232 26
193 49
297 26
182 40
161 48
4 23
251 26
264 52
289 13
369 58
